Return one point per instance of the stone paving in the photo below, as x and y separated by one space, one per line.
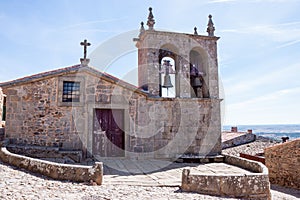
158 172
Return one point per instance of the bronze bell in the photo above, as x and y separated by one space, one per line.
196 82
167 79
167 82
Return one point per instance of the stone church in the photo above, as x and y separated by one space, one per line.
174 111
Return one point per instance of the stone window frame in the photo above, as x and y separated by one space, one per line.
71 91
61 81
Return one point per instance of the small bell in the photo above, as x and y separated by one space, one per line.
167 82
196 82
167 79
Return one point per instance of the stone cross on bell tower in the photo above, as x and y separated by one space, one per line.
84 61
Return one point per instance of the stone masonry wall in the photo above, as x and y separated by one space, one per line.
154 127
1 105
159 127
33 116
174 126
283 162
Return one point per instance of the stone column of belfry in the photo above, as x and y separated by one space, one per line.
183 78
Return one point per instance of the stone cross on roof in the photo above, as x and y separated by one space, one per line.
85 61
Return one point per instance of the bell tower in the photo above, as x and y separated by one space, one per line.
177 65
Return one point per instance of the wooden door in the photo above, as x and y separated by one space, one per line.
108 136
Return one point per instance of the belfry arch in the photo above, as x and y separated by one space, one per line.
199 73
168 53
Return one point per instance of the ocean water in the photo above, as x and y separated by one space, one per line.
271 131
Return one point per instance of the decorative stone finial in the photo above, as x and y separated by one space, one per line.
84 61
151 21
195 31
210 27
142 29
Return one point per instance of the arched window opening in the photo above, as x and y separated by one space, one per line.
168 77
198 78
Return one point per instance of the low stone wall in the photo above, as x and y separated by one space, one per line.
249 165
239 140
48 153
283 162
77 173
253 186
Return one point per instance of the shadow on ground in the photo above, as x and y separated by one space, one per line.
290 191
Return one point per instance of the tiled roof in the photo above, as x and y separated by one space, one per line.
66 70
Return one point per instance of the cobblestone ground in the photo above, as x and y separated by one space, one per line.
18 184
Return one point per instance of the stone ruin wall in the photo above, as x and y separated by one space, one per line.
283 162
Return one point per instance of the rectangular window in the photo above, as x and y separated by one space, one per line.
71 91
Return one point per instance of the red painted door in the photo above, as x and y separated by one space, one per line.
108 136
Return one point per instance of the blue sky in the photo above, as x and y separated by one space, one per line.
259 49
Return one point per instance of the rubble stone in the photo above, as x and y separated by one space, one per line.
283 162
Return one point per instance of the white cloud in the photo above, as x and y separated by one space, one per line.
285 32
289 44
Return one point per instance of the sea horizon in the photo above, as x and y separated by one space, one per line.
274 131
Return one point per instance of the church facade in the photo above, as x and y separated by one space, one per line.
174 111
